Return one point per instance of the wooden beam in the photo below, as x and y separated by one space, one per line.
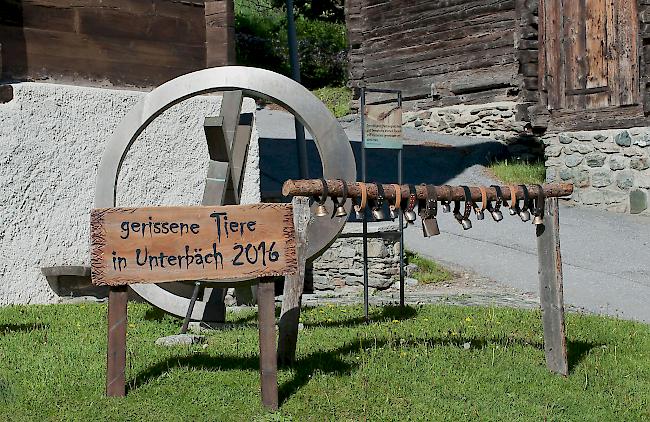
268 360
116 347
551 290
450 193
293 286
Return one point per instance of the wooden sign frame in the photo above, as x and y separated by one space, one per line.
241 236
161 244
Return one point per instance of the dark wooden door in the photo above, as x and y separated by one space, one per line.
588 54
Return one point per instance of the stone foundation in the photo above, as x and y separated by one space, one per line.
609 168
491 120
342 263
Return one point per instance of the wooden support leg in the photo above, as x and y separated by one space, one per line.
268 359
550 289
116 349
293 287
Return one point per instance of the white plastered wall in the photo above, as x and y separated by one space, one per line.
52 138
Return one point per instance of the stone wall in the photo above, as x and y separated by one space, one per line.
491 120
52 138
342 263
609 168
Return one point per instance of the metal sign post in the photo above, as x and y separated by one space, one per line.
382 142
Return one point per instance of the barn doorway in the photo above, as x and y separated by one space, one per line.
588 54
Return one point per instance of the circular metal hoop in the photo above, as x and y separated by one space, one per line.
331 141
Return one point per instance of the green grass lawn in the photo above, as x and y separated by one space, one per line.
428 271
519 172
407 365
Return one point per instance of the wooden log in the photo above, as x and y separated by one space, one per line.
313 187
293 287
116 347
551 290
268 361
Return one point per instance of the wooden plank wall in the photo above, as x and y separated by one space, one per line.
644 60
442 51
120 42
527 44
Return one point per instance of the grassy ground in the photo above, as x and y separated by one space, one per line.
521 172
425 363
336 99
428 270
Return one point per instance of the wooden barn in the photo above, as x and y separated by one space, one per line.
570 60
575 73
113 42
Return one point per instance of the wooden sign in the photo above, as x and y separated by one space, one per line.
158 244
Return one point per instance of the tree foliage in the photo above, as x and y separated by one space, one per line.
327 10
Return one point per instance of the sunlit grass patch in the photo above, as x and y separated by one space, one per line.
509 171
428 271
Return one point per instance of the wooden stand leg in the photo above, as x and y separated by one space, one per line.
268 359
116 349
550 289
293 287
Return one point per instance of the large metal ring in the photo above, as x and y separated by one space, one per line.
331 141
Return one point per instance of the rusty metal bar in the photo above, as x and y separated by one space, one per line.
313 187
116 348
551 290
268 358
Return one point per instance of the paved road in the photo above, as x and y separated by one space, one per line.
605 255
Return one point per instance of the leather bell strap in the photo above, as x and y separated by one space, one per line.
413 197
526 198
422 204
448 191
514 204
484 202
539 202
398 196
325 193
431 209
364 197
468 203
500 200
456 211
380 196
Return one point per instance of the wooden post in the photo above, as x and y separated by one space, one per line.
116 348
550 288
293 286
268 359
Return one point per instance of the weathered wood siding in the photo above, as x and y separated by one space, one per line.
123 42
442 51
592 72
644 61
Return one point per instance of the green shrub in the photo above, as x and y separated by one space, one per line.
261 41
336 99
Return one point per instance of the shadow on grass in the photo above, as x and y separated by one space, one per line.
154 314
14 328
333 361
386 313
577 351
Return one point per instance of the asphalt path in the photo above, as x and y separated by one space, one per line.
605 255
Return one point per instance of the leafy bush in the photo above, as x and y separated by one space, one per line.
327 10
336 99
262 42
